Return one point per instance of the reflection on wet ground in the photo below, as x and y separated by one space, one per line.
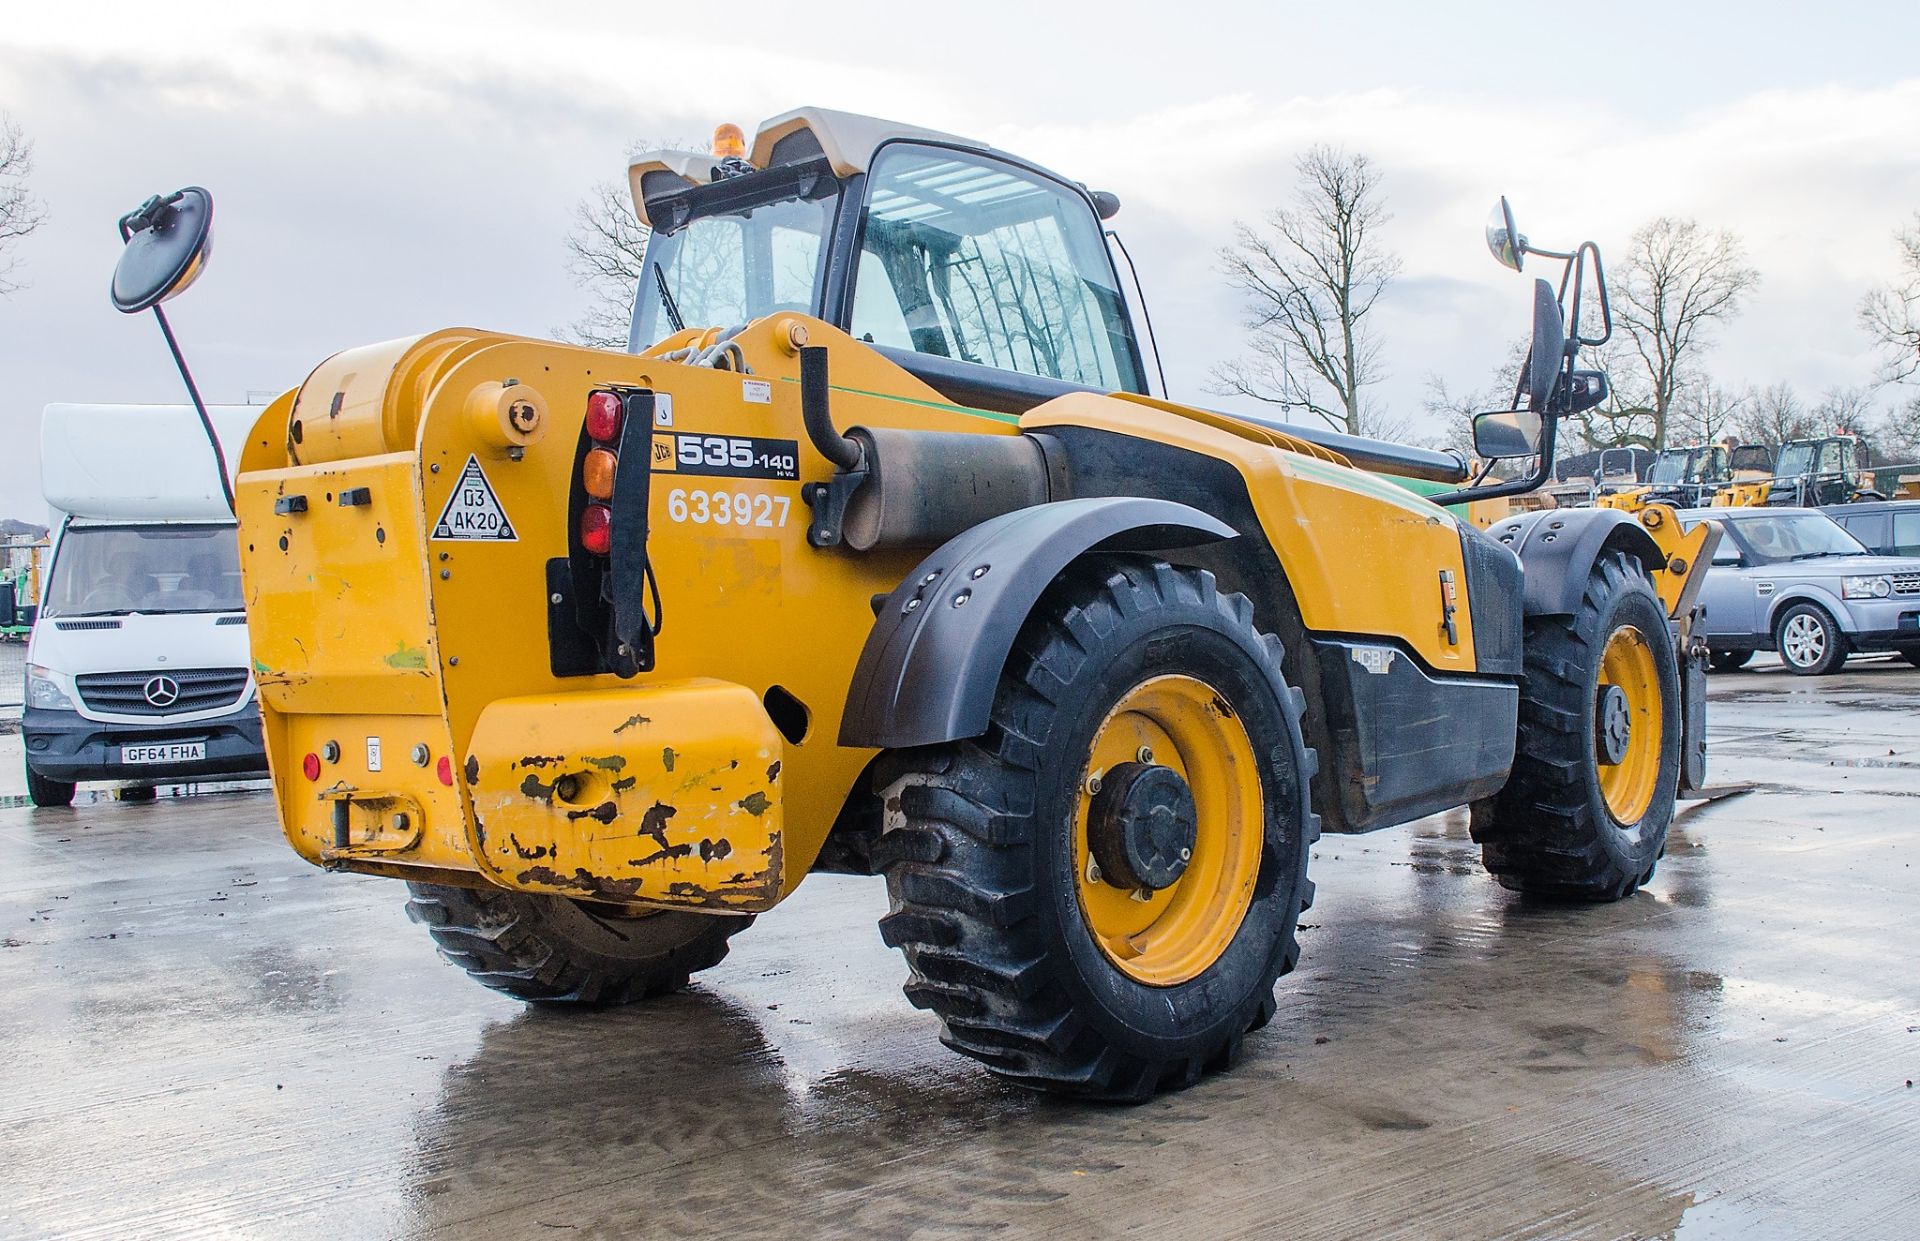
202 1036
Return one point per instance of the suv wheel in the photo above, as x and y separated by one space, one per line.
1809 641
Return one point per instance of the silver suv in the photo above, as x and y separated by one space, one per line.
1793 581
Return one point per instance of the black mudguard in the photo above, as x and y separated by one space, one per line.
1557 548
933 661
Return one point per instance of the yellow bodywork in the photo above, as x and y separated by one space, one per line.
1743 494
414 668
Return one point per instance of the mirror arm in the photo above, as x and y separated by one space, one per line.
1542 469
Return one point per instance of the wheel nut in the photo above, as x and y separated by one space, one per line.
1142 895
1093 784
1186 855
1146 754
1093 871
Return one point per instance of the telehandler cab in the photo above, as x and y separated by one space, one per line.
876 554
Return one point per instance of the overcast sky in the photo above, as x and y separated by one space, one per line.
386 169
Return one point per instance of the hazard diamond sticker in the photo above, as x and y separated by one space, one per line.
473 511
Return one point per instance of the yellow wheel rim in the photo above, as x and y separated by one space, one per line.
1168 937
1627 786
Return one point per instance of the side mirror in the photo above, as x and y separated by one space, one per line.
1507 433
1549 350
1508 246
168 242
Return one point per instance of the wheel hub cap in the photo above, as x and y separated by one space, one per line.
1614 725
1141 827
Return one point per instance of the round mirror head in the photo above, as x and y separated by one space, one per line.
168 240
1508 246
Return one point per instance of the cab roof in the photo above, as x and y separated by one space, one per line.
846 139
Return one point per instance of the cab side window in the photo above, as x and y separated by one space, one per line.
1906 534
966 258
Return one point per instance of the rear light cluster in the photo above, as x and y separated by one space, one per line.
605 414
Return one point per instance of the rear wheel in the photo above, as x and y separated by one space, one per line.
1584 815
1097 895
550 948
1809 640
1912 655
45 793
1727 661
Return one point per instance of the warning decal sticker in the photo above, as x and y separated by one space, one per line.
473 511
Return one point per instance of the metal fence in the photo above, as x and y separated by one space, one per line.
13 679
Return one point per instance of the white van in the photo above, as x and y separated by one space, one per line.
137 669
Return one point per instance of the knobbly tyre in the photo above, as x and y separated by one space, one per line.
875 554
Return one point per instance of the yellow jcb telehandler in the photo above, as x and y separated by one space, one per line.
876 553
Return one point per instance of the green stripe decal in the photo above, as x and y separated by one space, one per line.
944 407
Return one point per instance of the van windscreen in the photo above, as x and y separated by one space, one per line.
117 570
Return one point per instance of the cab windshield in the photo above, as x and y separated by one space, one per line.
733 261
1795 458
1669 467
119 570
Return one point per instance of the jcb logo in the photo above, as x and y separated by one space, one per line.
662 455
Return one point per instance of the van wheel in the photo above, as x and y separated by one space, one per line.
1727 661
1584 815
1097 895
1809 641
549 948
47 794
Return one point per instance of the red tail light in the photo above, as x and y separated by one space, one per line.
310 766
596 529
597 473
604 416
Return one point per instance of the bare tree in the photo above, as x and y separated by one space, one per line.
1774 415
1897 436
20 211
1310 277
1678 282
1706 413
1843 411
606 250
1891 314
1626 418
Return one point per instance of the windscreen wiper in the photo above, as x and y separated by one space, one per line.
666 300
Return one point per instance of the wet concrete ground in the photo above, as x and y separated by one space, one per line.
202 1036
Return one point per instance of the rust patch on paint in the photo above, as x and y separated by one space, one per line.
605 812
632 721
773 771
615 763
666 758
755 803
541 760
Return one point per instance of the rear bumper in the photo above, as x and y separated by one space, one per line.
63 745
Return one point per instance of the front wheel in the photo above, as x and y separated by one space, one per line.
1809 640
1584 814
48 794
1097 896
537 947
